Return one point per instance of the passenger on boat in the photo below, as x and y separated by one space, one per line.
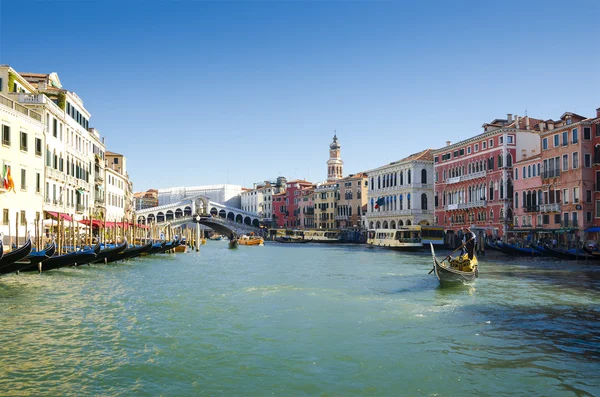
469 242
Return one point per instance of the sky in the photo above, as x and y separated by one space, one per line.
197 92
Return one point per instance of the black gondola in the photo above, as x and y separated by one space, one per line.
447 275
130 252
71 259
156 248
568 255
106 253
30 262
16 255
290 240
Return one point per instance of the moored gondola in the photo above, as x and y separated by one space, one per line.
567 255
70 259
130 252
16 255
290 240
30 262
103 255
457 271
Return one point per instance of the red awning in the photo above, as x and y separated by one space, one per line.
57 215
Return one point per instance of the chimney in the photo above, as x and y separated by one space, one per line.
509 118
526 122
542 124
448 143
516 121
598 112
551 125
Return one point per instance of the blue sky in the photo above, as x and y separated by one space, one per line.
204 92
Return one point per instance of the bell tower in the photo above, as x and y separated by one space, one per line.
334 164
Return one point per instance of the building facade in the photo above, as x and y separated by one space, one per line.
117 187
21 160
326 196
353 196
474 177
402 193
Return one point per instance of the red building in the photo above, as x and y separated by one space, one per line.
474 177
286 212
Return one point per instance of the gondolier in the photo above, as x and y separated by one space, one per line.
469 240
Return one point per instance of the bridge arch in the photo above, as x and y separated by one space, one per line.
151 218
255 223
187 211
141 220
222 214
178 213
160 217
169 216
247 220
231 216
214 211
239 218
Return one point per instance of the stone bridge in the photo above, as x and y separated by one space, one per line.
207 213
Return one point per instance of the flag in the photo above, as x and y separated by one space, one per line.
9 182
380 201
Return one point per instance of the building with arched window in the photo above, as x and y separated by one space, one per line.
401 193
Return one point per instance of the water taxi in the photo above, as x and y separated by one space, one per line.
405 238
251 240
322 236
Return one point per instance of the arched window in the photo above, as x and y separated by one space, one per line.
491 195
516 199
408 178
423 176
516 174
378 182
423 201
509 160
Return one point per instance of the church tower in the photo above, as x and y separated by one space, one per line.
335 163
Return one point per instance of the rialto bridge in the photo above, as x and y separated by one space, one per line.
177 214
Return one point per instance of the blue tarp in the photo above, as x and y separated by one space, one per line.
592 229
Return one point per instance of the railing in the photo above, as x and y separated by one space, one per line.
531 208
472 204
20 108
551 173
342 217
554 207
462 178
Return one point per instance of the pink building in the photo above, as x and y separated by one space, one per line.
285 205
529 213
306 210
474 177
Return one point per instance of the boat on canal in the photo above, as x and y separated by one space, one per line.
251 240
290 240
16 255
405 238
459 270
31 261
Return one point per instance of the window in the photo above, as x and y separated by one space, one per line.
588 216
23 179
575 160
587 160
565 138
510 139
38 182
597 210
54 127
476 147
576 194
5 215
575 135
588 196
491 143
566 196
556 139
483 145
468 149
565 162
545 144
6 135
516 174
38 146
23 218
501 140
587 133
23 141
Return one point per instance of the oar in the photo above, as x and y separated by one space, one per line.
462 245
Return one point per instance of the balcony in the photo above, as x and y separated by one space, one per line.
555 173
554 207
98 178
462 178
531 208
20 108
342 218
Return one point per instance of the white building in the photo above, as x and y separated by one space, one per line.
259 199
69 153
225 194
21 155
116 187
401 193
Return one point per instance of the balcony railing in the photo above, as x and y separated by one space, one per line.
531 208
342 217
462 178
20 108
551 173
554 207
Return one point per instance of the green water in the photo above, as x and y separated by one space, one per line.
306 320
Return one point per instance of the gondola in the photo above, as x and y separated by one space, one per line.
233 242
513 250
106 253
290 240
448 274
75 258
30 262
130 252
591 252
16 255
156 248
567 255
169 246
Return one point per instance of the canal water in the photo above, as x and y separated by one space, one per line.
305 320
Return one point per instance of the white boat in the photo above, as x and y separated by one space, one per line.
405 238
322 236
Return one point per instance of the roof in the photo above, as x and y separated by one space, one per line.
424 155
107 153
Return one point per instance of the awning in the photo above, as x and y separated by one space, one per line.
592 229
58 215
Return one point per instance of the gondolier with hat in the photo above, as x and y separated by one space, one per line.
469 242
